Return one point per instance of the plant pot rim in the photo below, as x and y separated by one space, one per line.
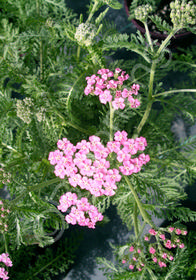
154 34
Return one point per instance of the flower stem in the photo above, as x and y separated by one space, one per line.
36 187
148 36
174 91
4 237
78 53
150 100
111 120
135 220
93 10
139 204
167 39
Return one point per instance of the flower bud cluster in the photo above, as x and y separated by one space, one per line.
85 33
41 114
135 257
4 211
110 90
142 12
4 176
165 239
182 13
86 165
23 108
4 258
82 212
26 108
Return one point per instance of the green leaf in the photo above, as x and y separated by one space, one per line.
114 4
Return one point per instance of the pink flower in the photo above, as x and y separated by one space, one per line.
113 146
131 249
152 231
154 259
152 250
171 229
181 245
171 258
164 255
123 155
118 103
131 266
135 88
178 231
105 97
146 238
67 200
125 93
120 136
71 219
131 146
55 157
162 264
75 179
139 268
60 171
184 232
118 70
168 244
124 261
162 236
3 273
5 259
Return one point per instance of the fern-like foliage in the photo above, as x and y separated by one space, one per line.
162 25
44 263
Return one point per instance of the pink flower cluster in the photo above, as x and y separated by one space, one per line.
3 217
158 255
4 176
86 165
82 212
4 258
110 90
134 255
136 260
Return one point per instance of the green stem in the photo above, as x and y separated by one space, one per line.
148 36
174 91
34 188
38 6
135 220
144 119
5 242
150 99
111 120
96 59
164 43
41 59
78 53
94 9
65 123
139 204
151 82
10 148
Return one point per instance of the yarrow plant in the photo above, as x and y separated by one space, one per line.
157 244
87 165
4 212
82 131
4 258
109 87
